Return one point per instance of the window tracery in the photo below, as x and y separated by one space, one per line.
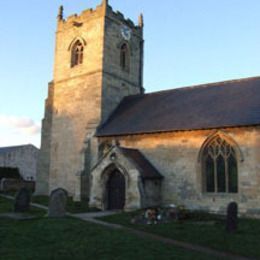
77 54
220 167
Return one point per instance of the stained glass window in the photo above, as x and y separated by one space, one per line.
210 175
232 182
220 167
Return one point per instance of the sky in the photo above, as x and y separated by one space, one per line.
187 42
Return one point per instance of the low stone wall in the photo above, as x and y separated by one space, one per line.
15 184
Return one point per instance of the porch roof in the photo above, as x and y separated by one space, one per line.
147 170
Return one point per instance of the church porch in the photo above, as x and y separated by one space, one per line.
124 179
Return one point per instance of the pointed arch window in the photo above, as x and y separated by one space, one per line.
124 57
77 53
220 172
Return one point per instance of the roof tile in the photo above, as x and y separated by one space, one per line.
216 105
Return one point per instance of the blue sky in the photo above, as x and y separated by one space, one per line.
187 42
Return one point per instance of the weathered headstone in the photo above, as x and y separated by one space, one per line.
57 204
22 200
2 182
231 221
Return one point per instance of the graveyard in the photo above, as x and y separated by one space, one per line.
28 231
69 238
144 152
203 229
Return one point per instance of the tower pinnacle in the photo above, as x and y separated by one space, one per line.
141 20
105 2
60 14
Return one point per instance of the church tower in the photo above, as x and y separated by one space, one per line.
98 61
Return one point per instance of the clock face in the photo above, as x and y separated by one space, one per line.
126 33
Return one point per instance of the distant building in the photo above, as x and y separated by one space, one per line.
22 158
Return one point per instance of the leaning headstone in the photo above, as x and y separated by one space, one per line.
231 221
57 204
22 200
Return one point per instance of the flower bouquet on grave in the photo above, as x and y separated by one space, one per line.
151 216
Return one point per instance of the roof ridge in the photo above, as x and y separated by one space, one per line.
211 84
16 146
127 148
231 103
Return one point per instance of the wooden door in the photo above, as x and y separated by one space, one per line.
116 190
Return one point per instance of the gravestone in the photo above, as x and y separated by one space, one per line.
231 221
22 200
57 203
2 184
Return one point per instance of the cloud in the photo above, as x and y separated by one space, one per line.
22 125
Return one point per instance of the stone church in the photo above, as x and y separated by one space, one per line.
104 140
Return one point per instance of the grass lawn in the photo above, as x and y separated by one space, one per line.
200 230
8 206
43 200
72 206
69 238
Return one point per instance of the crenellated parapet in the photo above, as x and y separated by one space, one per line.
102 10
119 17
77 19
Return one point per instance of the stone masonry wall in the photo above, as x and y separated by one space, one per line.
83 96
24 158
43 163
76 98
176 156
118 83
77 105
99 178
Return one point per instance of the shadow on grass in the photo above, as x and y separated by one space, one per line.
69 238
7 206
202 229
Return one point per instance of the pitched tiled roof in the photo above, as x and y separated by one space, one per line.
147 170
216 105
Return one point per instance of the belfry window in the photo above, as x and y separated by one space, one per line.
77 54
220 167
124 57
